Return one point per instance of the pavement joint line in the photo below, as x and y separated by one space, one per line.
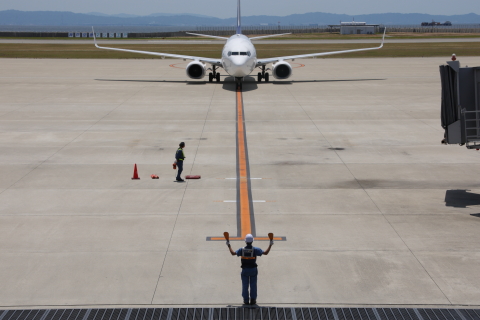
183 197
67 144
374 203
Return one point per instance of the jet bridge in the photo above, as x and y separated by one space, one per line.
460 108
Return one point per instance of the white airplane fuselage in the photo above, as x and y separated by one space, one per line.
239 57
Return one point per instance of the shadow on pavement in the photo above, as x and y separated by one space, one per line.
461 198
249 83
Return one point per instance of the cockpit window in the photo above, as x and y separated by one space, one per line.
229 53
248 53
243 53
234 53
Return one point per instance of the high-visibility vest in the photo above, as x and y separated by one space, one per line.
248 258
183 154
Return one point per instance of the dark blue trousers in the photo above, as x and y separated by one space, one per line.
180 169
249 279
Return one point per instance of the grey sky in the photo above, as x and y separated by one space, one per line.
227 8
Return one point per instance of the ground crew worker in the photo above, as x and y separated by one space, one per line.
180 156
249 273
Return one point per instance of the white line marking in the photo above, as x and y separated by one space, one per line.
252 201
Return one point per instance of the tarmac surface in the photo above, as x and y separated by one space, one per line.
345 162
211 41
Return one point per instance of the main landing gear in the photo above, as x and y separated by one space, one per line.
263 75
214 75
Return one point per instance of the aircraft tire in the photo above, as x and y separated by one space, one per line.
267 77
210 77
259 77
217 77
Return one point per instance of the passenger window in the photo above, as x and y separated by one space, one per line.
229 53
235 53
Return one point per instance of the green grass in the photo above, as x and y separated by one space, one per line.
87 51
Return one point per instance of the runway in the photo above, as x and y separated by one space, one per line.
210 41
344 161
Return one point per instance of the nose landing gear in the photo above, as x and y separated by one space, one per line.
263 75
214 75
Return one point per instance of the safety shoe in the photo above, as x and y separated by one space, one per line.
245 302
180 180
253 302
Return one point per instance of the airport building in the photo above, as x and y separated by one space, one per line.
355 27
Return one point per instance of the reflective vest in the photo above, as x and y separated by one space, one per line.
180 156
248 258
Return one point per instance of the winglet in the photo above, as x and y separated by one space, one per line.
94 38
383 38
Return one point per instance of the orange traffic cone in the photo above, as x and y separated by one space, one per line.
135 173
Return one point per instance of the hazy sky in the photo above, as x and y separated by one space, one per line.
227 8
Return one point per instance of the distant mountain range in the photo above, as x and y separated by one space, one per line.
124 15
58 18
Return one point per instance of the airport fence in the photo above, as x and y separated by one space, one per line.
251 30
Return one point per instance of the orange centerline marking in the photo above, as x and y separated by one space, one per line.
245 215
246 225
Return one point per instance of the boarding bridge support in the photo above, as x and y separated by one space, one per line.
460 108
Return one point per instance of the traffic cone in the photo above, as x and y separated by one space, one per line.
135 173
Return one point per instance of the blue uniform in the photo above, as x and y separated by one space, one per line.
249 273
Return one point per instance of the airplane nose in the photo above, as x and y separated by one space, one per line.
238 71
238 68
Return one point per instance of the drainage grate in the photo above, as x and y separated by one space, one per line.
263 313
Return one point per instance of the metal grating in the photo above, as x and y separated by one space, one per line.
260 313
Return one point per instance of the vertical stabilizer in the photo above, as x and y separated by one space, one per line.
239 22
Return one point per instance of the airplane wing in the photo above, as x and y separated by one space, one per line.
216 62
206 35
269 36
262 62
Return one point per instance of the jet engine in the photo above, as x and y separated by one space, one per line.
282 70
196 70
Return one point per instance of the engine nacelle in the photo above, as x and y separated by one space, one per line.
196 70
282 70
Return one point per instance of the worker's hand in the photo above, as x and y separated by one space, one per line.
271 242
228 243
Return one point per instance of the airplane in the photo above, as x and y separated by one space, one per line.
239 57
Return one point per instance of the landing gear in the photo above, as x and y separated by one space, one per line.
263 75
238 81
214 75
